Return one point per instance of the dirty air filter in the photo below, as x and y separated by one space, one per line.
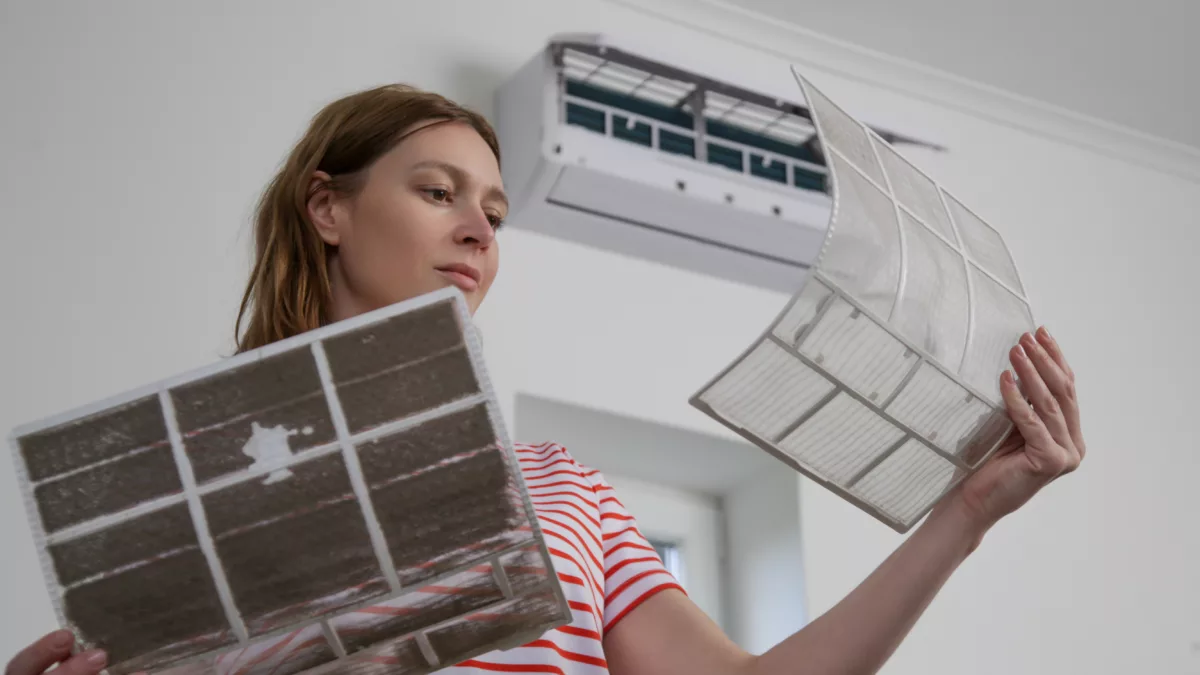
880 378
350 490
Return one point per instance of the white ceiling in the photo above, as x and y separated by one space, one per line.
1132 63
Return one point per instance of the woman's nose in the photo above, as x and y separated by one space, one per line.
476 229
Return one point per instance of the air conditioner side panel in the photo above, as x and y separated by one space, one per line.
525 106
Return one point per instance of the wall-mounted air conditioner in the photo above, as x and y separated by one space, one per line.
609 147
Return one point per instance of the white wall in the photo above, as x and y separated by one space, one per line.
135 137
767 582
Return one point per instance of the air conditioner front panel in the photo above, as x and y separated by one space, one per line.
635 203
663 247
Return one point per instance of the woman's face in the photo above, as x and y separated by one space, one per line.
424 218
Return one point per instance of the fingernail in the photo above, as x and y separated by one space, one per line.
62 639
96 658
1035 346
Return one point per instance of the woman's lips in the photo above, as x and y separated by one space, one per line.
460 277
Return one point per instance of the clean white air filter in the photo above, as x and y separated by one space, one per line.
880 379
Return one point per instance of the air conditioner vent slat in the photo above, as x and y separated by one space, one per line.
663 118
727 157
774 171
676 144
638 132
588 118
616 99
739 135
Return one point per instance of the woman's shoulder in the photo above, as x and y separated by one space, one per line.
549 459
547 451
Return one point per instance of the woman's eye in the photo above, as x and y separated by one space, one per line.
496 221
438 194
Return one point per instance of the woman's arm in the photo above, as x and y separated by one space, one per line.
669 635
860 633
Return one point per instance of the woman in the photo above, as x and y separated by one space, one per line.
395 192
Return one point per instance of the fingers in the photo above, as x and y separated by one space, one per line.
1055 351
1062 384
1034 366
86 663
1031 427
55 648
1047 458
40 655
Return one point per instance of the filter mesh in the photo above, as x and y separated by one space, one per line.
799 316
932 309
984 245
275 494
907 481
862 252
881 377
1000 318
858 351
844 134
767 391
939 409
841 439
914 190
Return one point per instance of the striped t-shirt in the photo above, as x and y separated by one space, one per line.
605 566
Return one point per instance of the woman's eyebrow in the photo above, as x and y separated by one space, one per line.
459 176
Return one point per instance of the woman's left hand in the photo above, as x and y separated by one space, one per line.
1047 441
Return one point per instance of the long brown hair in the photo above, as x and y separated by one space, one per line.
288 291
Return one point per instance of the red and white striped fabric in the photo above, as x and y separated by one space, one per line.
605 565
607 568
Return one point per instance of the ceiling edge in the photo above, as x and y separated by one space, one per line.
799 45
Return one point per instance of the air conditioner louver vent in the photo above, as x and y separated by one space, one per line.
636 106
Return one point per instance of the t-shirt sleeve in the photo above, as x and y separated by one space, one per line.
633 570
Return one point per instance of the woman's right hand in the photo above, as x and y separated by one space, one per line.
55 648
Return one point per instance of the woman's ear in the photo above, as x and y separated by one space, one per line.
323 209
